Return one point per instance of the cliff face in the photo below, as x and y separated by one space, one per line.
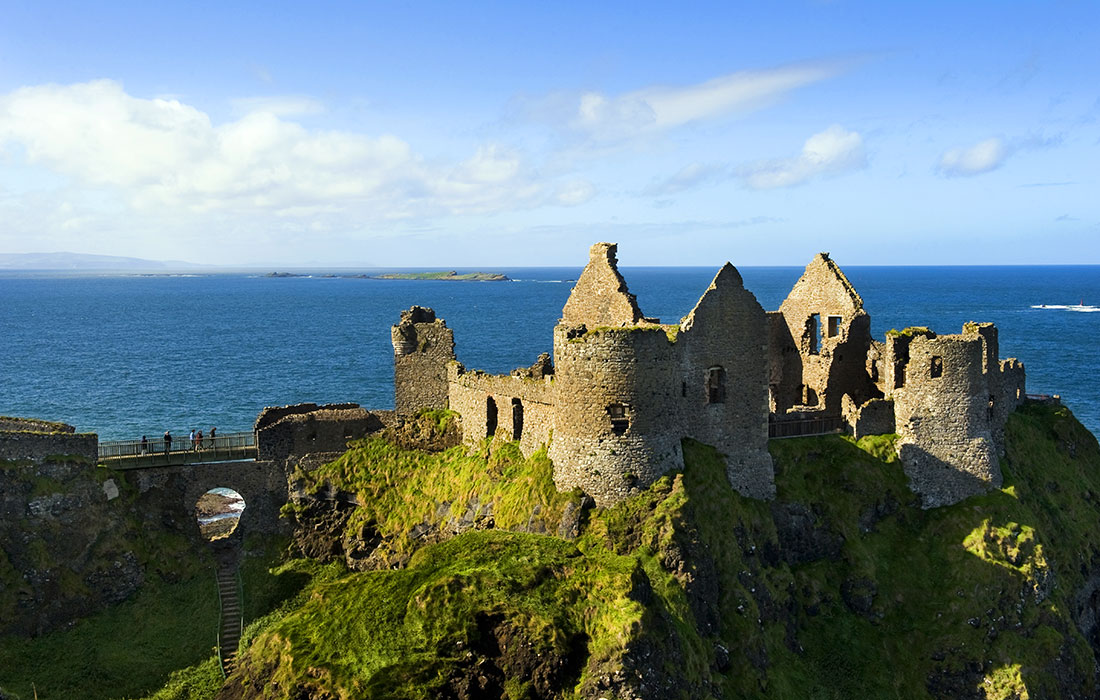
74 539
843 586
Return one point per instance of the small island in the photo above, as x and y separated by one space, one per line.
450 276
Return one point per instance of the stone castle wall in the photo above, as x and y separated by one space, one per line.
33 425
830 333
944 418
725 337
524 407
288 431
875 417
600 296
624 390
423 346
24 445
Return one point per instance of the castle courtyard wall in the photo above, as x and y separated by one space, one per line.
469 392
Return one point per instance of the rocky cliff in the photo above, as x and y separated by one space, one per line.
468 576
75 539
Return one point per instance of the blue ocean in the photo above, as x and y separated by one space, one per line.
133 355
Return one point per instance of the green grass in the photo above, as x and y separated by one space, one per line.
398 489
127 650
842 587
132 648
886 600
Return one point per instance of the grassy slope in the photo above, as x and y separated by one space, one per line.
864 595
132 649
887 600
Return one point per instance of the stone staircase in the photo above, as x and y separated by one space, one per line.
229 628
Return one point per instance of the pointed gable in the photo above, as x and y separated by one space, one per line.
600 297
824 287
727 287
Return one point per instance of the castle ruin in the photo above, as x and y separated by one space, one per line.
623 390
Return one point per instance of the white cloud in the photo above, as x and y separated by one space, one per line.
977 159
830 152
163 153
656 108
689 176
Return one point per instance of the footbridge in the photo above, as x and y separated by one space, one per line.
182 451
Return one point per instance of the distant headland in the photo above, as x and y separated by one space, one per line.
448 275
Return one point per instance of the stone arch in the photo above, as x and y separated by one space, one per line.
169 494
218 512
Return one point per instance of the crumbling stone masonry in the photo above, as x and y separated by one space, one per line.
623 390
31 440
306 428
422 347
951 399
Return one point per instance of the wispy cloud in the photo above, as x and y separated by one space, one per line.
655 108
831 152
982 157
693 175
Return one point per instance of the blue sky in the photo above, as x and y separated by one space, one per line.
450 134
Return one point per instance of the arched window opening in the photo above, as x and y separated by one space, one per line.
219 512
620 417
490 417
517 419
716 385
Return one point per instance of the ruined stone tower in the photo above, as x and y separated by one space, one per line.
422 348
629 389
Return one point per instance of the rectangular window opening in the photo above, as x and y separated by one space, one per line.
834 326
813 330
936 370
620 418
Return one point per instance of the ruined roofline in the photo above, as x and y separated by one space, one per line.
823 259
600 297
727 276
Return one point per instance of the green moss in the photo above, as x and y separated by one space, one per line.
908 332
402 633
398 489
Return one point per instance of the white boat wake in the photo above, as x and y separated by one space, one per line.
1086 308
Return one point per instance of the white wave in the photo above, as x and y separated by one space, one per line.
1086 308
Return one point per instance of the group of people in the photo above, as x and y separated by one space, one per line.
196 440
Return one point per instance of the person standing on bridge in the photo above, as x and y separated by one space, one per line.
198 440
144 445
192 438
213 430
167 442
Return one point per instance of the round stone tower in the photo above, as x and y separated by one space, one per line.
617 424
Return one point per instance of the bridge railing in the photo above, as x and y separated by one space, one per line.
223 446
